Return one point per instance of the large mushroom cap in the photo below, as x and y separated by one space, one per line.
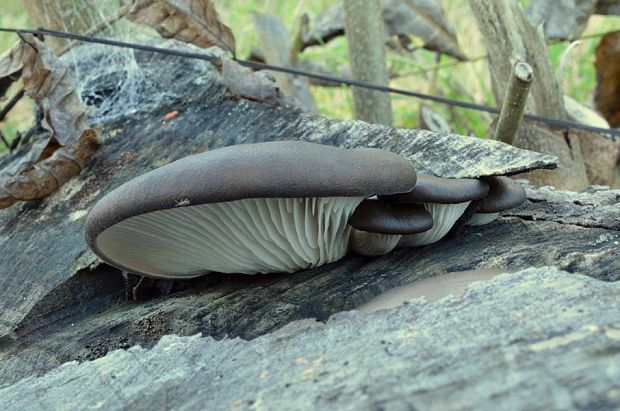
504 194
431 189
379 217
268 207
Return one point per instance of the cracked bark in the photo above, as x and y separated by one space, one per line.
509 38
59 303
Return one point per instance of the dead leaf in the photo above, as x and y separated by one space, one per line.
562 19
607 96
51 163
242 82
51 173
567 19
419 18
424 19
431 120
10 68
48 82
191 21
275 46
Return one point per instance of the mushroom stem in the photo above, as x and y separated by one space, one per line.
372 244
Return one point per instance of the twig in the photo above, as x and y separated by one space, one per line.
298 41
363 23
14 100
424 70
564 59
4 140
514 103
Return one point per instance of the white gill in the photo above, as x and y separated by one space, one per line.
444 217
245 236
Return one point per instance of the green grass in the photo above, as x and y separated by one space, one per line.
467 81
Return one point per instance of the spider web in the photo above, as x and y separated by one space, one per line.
111 81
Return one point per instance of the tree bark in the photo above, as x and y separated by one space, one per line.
509 38
365 35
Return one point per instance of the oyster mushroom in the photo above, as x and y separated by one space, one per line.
253 208
445 199
504 194
378 226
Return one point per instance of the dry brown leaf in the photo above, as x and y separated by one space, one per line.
567 19
49 174
607 97
420 18
48 82
191 21
10 68
562 19
50 164
242 82
275 44
431 120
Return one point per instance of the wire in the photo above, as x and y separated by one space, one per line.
608 132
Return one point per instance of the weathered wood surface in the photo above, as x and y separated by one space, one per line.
90 314
42 242
538 339
534 340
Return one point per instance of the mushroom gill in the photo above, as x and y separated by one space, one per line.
247 236
253 208
504 194
445 199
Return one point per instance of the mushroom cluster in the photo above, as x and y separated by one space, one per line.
281 207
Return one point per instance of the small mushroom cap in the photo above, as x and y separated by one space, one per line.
504 194
431 189
379 217
279 169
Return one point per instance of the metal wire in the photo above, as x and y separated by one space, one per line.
607 132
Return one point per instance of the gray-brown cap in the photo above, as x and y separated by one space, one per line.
504 194
376 216
239 207
378 226
431 189
446 200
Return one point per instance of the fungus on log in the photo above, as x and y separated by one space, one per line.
209 117
378 226
504 194
446 200
252 208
